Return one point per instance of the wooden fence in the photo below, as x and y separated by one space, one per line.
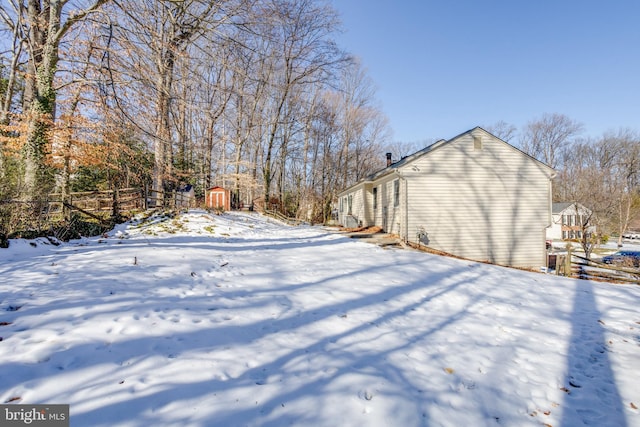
280 217
99 204
26 218
104 207
573 265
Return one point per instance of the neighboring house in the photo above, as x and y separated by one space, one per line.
217 198
474 196
568 220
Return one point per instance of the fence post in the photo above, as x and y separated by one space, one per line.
567 267
115 214
67 207
145 196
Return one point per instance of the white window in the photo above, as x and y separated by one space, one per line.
375 198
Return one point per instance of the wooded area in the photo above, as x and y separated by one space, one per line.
253 96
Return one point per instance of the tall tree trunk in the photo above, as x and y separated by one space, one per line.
40 97
162 144
45 31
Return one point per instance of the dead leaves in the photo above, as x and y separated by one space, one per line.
540 411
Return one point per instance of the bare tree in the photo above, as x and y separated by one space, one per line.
549 138
14 27
625 178
503 130
364 127
603 175
303 53
44 25
251 75
160 38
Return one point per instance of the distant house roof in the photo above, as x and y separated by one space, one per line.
558 208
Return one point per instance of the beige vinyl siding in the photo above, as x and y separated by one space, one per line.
487 204
360 205
388 215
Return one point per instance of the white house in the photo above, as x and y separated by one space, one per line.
568 220
474 196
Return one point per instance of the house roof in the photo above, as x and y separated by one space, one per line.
558 208
405 160
393 166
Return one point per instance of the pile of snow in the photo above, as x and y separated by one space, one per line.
233 320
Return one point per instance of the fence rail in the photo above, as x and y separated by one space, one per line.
573 265
26 218
592 270
279 216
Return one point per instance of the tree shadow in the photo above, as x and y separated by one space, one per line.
590 377
347 365
107 363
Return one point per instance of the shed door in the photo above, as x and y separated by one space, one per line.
220 202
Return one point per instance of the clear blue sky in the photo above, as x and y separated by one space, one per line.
443 67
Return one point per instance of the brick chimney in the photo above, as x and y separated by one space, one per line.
388 159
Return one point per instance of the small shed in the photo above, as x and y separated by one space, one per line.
218 197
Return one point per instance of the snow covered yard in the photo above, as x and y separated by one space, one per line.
236 320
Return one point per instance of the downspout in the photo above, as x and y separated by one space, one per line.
406 207
550 217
